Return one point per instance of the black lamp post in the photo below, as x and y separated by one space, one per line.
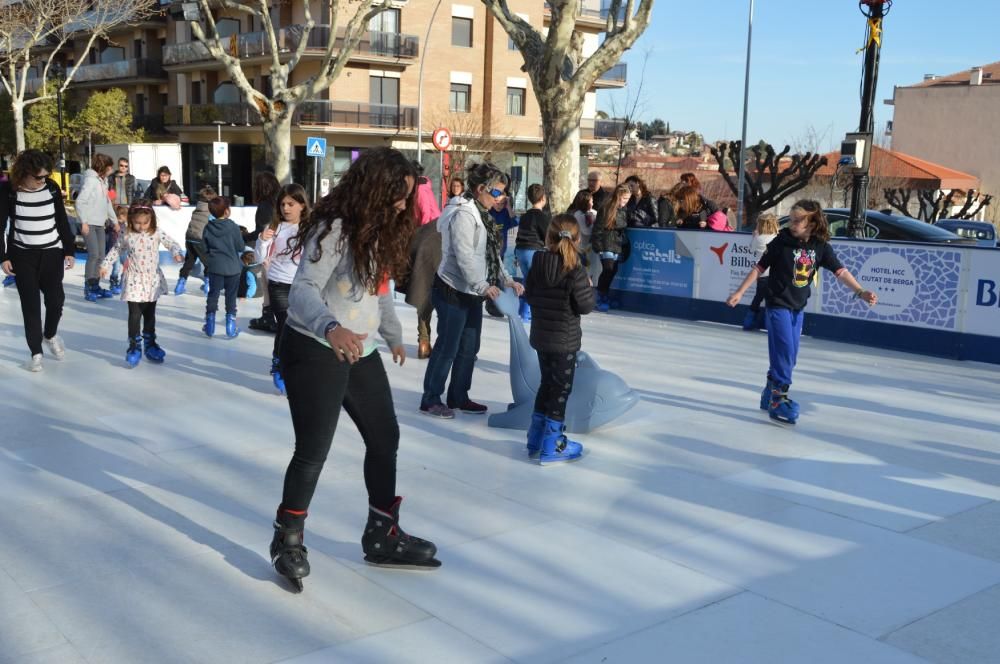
874 11
60 75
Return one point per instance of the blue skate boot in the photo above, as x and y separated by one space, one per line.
524 311
231 330
153 351
8 280
181 286
556 448
134 352
765 394
279 382
116 286
91 293
782 409
204 285
603 304
209 327
535 433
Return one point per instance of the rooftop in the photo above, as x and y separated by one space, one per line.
991 76
920 172
138 506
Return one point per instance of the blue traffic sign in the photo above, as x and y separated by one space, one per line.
316 147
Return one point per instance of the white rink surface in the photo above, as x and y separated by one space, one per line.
137 508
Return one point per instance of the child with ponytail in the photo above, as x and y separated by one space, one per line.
559 292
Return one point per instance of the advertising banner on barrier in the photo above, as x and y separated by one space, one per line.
982 298
723 260
916 286
659 264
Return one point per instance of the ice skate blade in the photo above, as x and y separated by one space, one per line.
559 462
388 563
296 584
785 424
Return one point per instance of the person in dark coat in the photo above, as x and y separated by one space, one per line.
265 192
609 241
163 184
642 211
425 256
559 292
224 247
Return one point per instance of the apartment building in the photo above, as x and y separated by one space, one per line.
952 120
472 83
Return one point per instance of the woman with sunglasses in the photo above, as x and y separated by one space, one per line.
36 245
471 267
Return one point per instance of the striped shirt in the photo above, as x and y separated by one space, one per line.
35 221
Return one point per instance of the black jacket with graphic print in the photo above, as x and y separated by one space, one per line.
793 264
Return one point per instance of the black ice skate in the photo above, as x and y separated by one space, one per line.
386 545
288 554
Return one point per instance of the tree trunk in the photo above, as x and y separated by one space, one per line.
17 107
278 144
561 155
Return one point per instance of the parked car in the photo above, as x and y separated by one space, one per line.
983 232
881 226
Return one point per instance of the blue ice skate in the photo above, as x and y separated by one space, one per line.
153 351
279 381
556 447
231 330
134 352
209 327
782 409
535 432
181 286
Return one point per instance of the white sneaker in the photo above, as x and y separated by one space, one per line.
35 363
56 347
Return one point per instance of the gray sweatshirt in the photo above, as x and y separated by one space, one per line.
326 291
463 248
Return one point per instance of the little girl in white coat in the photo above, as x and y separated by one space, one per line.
142 279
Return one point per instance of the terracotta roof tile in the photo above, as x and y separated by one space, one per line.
991 75
892 164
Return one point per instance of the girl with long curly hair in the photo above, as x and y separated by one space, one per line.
355 240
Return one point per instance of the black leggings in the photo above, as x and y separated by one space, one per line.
609 268
144 311
318 384
39 271
277 294
558 370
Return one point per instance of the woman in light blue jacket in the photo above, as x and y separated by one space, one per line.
95 210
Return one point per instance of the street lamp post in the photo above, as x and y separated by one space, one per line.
218 125
743 139
875 12
60 74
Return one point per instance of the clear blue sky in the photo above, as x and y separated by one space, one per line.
804 70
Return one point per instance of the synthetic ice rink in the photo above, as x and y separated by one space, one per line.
137 508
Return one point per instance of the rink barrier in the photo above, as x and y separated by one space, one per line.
934 299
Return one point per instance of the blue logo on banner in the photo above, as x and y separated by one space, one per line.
655 266
315 147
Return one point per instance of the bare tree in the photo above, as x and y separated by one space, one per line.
35 32
934 204
561 76
769 180
632 106
277 109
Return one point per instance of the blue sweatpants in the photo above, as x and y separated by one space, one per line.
784 327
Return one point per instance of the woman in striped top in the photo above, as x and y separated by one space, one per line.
36 245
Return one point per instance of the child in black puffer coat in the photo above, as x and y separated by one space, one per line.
559 292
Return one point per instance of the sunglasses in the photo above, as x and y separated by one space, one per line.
39 178
496 193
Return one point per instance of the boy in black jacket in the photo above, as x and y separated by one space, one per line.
559 292
223 247
531 237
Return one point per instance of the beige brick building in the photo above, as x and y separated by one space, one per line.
472 83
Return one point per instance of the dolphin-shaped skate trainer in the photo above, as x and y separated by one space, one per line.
598 396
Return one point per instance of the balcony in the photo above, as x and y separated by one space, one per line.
374 47
320 113
142 70
616 77
151 122
592 15
601 130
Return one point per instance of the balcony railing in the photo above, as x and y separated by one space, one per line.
257 44
617 74
151 122
591 129
595 11
138 68
309 113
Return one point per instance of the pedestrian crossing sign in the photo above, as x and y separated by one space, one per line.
316 147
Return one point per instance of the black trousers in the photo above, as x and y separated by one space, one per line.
39 272
218 282
609 268
195 252
277 293
759 294
318 385
144 312
558 370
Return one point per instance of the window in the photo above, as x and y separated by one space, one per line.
140 106
515 101
383 91
226 93
137 48
511 46
228 27
387 21
461 94
461 31
195 92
